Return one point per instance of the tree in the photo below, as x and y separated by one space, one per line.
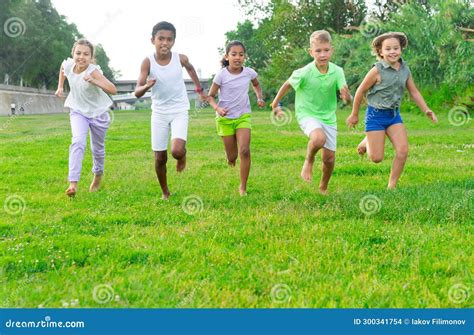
35 40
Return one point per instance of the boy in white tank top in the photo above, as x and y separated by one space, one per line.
162 72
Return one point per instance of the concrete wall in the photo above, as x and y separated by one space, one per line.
31 100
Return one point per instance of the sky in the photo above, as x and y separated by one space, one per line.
123 27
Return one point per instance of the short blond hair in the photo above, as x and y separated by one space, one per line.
321 36
377 42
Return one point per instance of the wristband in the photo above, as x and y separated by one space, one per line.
199 90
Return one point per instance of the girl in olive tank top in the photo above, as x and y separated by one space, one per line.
385 84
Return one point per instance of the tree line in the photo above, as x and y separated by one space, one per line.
34 40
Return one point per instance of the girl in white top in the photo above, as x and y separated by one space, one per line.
162 72
89 106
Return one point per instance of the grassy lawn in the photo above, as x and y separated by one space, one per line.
283 245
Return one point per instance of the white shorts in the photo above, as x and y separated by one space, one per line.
308 124
161 124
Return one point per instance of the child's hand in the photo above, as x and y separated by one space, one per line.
352 120
345 94
89 79
261 103
59 92
203 97
278 112
150 82
431 115
222 111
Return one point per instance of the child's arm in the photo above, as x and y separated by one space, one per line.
144 84
192 73
258 91
98 79
60 90
369 81
418 98
212 100
281 93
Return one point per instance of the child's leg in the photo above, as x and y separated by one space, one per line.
179 135
243 140
329 158
161 157
178 150
398 136
79 128
230 147
160 128
375 145
99 128
316 141
362 147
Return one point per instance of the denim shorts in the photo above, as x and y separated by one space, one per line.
381 119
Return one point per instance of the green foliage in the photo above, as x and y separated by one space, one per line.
438 54
35 40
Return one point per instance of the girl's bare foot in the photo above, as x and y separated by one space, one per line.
323 191
242 191
95 185
307 171
181 164
362 147
231 163
72 189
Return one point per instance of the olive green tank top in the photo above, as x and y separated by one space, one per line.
389 92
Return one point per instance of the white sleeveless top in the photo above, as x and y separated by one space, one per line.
168 95
84 98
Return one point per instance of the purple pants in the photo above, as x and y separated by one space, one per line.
80 126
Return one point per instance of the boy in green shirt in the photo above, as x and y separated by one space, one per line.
316 87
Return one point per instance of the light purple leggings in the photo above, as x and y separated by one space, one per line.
80 126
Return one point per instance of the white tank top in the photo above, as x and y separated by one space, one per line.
168 95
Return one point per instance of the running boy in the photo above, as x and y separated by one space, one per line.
316 87
162 72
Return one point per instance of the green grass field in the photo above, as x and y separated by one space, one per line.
283 245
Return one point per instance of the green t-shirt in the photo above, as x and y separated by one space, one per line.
316 93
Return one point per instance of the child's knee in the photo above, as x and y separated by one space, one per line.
402 152
244 152
328 160
232 158
79 142
160 158
376 158
178 153
317 141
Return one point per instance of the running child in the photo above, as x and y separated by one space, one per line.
89 104
162 72
385 84
316 86
233 120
